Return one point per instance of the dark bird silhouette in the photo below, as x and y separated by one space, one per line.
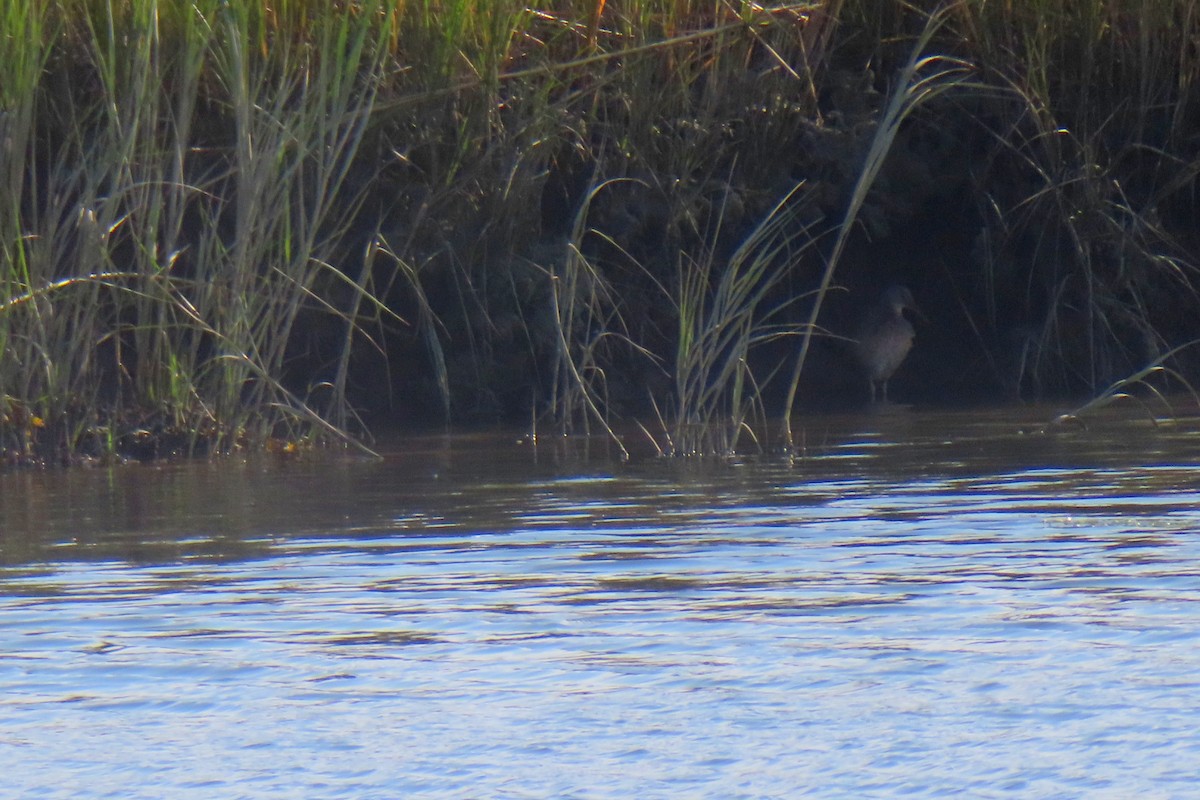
884 336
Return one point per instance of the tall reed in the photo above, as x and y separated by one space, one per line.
153 272
724 311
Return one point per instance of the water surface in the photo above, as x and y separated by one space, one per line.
926 604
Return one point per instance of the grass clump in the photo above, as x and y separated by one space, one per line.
178 196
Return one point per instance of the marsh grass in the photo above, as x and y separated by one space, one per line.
194 190
1102 96
587 319
725 309
152 283
1141 384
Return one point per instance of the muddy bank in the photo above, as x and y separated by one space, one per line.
1032 285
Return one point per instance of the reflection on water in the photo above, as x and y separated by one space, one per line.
927 603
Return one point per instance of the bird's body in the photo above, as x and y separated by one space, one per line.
884 337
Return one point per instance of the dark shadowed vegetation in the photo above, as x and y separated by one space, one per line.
271 224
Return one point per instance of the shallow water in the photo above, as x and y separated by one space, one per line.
928 604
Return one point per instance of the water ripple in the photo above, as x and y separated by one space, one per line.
836 627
